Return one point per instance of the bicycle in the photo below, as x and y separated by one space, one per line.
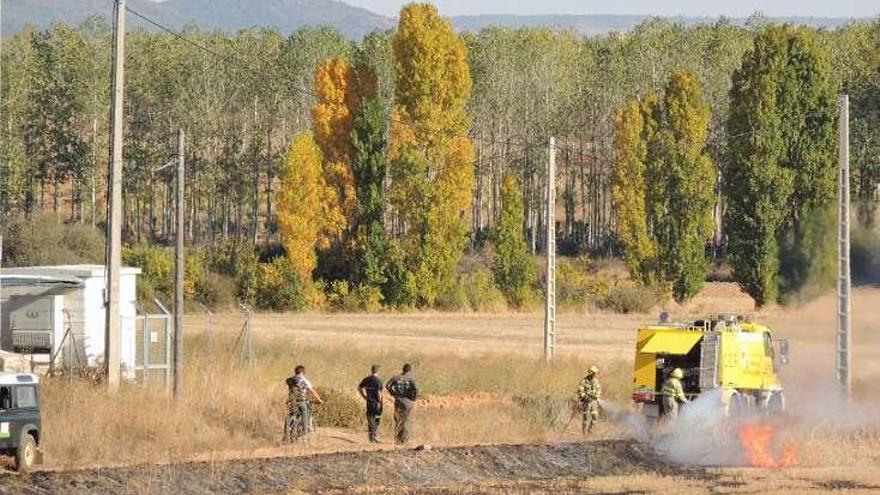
294 427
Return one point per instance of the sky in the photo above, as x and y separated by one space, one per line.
712 8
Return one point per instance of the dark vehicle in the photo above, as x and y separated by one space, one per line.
20 419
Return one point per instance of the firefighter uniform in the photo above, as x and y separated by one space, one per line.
589 394
673 393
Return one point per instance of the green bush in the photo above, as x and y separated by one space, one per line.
157 271
368 298
238 261
482 294
44 239
217 291
278 287
865 254
630 298
576 286
473 291
337 294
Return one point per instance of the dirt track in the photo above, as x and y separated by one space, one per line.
392 470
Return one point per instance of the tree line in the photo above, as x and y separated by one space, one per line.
416 140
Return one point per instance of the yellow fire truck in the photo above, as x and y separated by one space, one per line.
725 352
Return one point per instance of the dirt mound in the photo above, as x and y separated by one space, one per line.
347 471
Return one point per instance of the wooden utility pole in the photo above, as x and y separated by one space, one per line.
550 296
844 337
179 267
113 319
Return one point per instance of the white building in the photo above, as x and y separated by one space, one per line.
42 303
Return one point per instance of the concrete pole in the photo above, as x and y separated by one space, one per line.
550 296
113 319
844 336
179 268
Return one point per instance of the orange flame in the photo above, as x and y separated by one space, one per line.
758 441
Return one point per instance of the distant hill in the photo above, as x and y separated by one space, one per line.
289 15
228 15
602 24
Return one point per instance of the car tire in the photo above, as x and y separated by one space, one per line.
26 454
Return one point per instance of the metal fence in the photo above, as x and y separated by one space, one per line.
153 347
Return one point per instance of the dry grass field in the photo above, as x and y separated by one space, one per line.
485 383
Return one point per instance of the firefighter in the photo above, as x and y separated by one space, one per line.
589 394
673 393
405 392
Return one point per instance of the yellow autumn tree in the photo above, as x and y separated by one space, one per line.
306 216
629 191
340 88
332 118
431 160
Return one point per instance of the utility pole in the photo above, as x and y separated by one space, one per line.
114 235
179 267
550 297
1 285
844 337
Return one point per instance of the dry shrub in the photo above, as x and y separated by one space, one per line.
553 412
339 410
630 298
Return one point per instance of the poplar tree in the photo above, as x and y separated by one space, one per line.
779 178
306 217
431 157
512 266
369 165
663 187
332 117
687 178
629 192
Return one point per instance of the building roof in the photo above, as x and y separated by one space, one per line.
81 271
18 378
45 281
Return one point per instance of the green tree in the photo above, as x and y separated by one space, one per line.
368 162
687 177
779 178
664 186
512 265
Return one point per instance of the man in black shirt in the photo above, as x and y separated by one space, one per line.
370 389
405 392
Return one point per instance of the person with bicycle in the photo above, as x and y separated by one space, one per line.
299 409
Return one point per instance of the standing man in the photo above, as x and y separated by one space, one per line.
589 394
299 390
370 389
405 392
673 393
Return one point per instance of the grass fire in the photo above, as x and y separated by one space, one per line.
763 447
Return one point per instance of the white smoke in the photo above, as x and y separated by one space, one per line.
701 434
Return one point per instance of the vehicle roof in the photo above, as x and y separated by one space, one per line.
740 327
18 378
